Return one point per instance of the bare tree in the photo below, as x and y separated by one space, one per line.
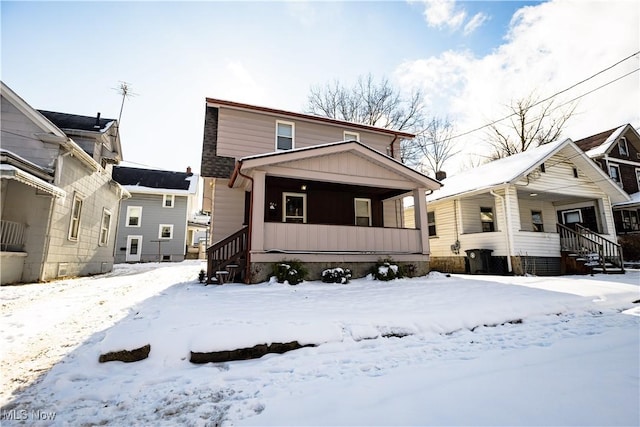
368 102
530 124
431 148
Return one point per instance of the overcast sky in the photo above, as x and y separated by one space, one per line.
470 58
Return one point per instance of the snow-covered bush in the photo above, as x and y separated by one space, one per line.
336 275
291 271
386 270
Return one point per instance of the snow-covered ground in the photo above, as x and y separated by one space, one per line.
435 350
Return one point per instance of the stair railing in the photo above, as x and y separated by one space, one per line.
586 243
612 252
226 251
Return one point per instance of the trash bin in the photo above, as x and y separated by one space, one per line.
479 260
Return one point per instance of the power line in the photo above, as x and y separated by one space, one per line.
558 93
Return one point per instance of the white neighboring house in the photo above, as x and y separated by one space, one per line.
534 212
58 201
154 224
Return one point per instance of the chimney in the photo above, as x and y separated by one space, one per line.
97 125
440 175
189 173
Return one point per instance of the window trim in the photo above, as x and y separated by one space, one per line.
492 222
284 206
75 217
103 237
293 134
160 227
534 223
621 151
128 217
355 211
356 136
165 198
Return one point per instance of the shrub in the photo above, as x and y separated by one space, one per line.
291 271
386 270
336 275
630 246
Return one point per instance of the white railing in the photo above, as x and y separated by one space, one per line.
11 236
340 238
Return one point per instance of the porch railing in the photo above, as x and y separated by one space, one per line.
226 251
590 245
11 236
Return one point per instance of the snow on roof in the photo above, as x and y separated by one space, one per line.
634 200
604 147
496 173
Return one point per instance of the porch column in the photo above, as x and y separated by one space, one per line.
257 213
420 212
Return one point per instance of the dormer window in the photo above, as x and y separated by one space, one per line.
351 136
623 149
285 132
168 201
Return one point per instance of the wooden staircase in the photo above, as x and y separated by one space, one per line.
227 258
584 251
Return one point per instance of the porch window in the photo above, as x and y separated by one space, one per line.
351 136
105 225
284 135
431 223
630 220
134 216
572 217
363 212
294 207
623 149
165 231
536 220
614 173
486 217
168 200
76 211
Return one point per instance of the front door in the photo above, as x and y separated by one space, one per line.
585 216
134 248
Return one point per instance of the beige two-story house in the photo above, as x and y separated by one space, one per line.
284 185
58 204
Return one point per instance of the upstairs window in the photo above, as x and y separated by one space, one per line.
486 218
623 149
76 211
614 173
363 212
105 226
351 136
431 223
168 200
285 132
134 216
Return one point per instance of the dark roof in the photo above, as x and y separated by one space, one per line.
151 178
74 121
596 140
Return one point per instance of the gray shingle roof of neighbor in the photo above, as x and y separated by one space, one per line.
75 121
151 178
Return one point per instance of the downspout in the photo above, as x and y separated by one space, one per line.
508 233
237 171
391 149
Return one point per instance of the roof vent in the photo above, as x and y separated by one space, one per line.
97 125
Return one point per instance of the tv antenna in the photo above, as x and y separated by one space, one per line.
125 90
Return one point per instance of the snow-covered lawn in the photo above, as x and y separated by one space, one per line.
435 350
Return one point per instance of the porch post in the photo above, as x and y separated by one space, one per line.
420 212
257 214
